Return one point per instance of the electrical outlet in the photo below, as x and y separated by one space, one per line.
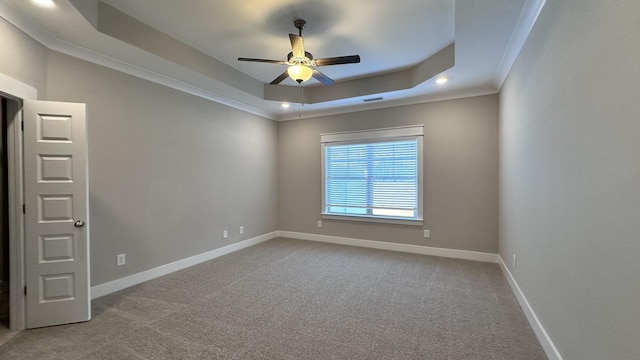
225 234
241 229
121 259
319 223
427 233
515 262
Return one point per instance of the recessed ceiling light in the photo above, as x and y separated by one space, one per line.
44 3
285 105
442 80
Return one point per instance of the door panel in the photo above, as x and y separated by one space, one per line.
56 197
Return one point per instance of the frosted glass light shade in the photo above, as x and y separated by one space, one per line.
300 73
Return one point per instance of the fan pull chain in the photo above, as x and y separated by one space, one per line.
301 100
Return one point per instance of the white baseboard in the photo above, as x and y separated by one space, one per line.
135 279
548 346
414 249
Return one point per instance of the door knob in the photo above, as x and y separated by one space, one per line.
79 223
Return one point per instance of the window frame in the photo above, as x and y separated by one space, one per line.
368 137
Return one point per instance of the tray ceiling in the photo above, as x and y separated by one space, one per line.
193 45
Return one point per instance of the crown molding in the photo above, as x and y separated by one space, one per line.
168 74
528 17
39 34
18 19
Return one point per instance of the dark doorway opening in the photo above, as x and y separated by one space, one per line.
4 222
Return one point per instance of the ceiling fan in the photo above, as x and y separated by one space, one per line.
302 65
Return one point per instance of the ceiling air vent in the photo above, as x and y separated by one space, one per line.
372 99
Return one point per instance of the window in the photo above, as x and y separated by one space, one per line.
373 175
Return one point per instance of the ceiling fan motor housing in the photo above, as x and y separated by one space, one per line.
298 61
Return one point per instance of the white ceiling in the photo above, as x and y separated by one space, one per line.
389 36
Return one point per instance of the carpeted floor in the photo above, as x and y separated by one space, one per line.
290 299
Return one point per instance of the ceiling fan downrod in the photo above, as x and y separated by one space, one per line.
299 24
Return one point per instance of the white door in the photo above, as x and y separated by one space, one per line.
56 213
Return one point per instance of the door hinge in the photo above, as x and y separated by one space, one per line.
22 125
24 209
25 290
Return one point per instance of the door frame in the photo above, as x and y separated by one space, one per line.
15 91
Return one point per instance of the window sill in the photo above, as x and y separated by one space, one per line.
372 219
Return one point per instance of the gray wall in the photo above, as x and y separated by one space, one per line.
22 58
570 176
168 171
460 174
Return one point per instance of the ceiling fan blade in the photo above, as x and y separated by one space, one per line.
297 46
338 60
322 77
279 79
262 60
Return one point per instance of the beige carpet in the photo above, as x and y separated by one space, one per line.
290 299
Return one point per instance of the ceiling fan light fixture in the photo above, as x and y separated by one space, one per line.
300 73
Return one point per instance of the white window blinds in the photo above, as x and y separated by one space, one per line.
379 177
